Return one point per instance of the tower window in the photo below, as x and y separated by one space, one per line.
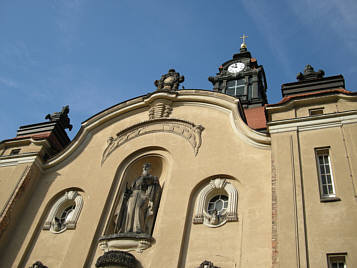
236 88
15 151
316 111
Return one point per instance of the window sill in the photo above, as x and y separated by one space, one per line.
329 199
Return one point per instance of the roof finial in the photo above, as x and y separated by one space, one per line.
243 45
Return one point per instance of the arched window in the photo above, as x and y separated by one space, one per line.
64 213
216 203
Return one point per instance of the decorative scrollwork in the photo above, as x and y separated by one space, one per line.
160 109
184 129
216 186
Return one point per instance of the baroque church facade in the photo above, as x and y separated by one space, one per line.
189 178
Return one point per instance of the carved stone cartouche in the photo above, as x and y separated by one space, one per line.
160 109
169 81
189 131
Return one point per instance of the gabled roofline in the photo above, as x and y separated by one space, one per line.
187 95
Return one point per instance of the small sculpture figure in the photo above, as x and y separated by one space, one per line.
56 224
62 117
139 205
207 264
214 219
38 264
169 81
309 73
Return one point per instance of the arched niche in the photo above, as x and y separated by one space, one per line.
134 169
128 173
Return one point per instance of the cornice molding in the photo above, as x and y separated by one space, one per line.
13 160
195 97
313 122
298 101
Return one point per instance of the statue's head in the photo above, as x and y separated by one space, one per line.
146 169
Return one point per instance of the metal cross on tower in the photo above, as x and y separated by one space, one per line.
243 45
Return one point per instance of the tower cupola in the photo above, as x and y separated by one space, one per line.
243 78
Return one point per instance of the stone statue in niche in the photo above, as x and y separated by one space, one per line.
139 205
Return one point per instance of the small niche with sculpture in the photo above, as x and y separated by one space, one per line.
133 219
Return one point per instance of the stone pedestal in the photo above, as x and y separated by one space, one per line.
117 259
125 242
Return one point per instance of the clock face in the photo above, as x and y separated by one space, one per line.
236 67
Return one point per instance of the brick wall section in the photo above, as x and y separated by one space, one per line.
274 241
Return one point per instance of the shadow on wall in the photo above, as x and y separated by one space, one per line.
31 203
128 171
202 229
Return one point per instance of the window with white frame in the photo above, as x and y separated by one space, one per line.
336 260
236 88
327 187
216 203
64 212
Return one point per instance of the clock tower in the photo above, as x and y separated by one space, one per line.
243 78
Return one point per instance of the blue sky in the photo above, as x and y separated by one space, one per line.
93 54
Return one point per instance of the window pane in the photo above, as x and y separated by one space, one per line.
322 170
214 199
330 189
321 159
230 91
240 91
329 179
324 190
326 159
210 206
327 168
230 84
323 179
219 205
240 82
